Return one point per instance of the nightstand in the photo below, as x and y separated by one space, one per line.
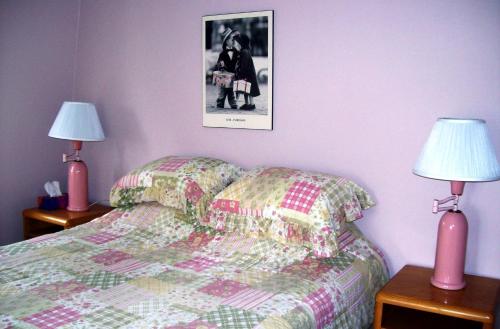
409 301
38 222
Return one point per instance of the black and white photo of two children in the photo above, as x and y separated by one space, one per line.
237 66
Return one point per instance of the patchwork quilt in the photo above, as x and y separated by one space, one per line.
147 267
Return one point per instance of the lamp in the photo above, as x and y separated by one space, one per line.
459 151
77 122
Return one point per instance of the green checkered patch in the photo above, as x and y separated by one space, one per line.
227 317
17 248
110 317
102 279
340 262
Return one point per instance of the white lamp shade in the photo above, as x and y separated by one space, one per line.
77 121
458 150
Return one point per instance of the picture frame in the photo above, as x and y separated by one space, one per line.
237 82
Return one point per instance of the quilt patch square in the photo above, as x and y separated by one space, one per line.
321 304
247 298
126 265
339 263
231 318
177 277
110 257
18 248
155 286
223 288
59 290
128 181
289 284
311 268
53 318
197 264
190 300
102 279
123 296
172 164
167 255
195 241
193 192
278 305
110 317
20 306
301 196
101 237
230 206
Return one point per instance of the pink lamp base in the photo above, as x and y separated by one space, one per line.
450 251
446 285
77 186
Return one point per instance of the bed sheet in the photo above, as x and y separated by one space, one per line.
148 268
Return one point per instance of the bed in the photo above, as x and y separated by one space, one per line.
149 266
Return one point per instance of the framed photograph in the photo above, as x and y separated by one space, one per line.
238 70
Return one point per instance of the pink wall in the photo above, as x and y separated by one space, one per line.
357 88
37 48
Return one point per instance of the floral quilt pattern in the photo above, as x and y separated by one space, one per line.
118 272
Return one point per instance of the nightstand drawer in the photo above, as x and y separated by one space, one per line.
396 317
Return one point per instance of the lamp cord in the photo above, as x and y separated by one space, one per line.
99 201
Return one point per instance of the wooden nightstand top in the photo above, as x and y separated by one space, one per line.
65 218
411 288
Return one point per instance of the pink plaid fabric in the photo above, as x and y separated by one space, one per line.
301 196
128 181
126 265
248 298
100 238
224 288
53 317
110 257
172 164
197 264
320 302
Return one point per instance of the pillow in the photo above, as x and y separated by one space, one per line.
289 205
185 183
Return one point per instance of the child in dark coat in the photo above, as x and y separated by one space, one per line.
245 69
227 62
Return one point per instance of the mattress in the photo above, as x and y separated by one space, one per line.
149 268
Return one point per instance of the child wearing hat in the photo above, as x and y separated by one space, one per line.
227 62
245 69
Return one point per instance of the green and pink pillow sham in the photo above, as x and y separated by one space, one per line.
290 206
185 183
